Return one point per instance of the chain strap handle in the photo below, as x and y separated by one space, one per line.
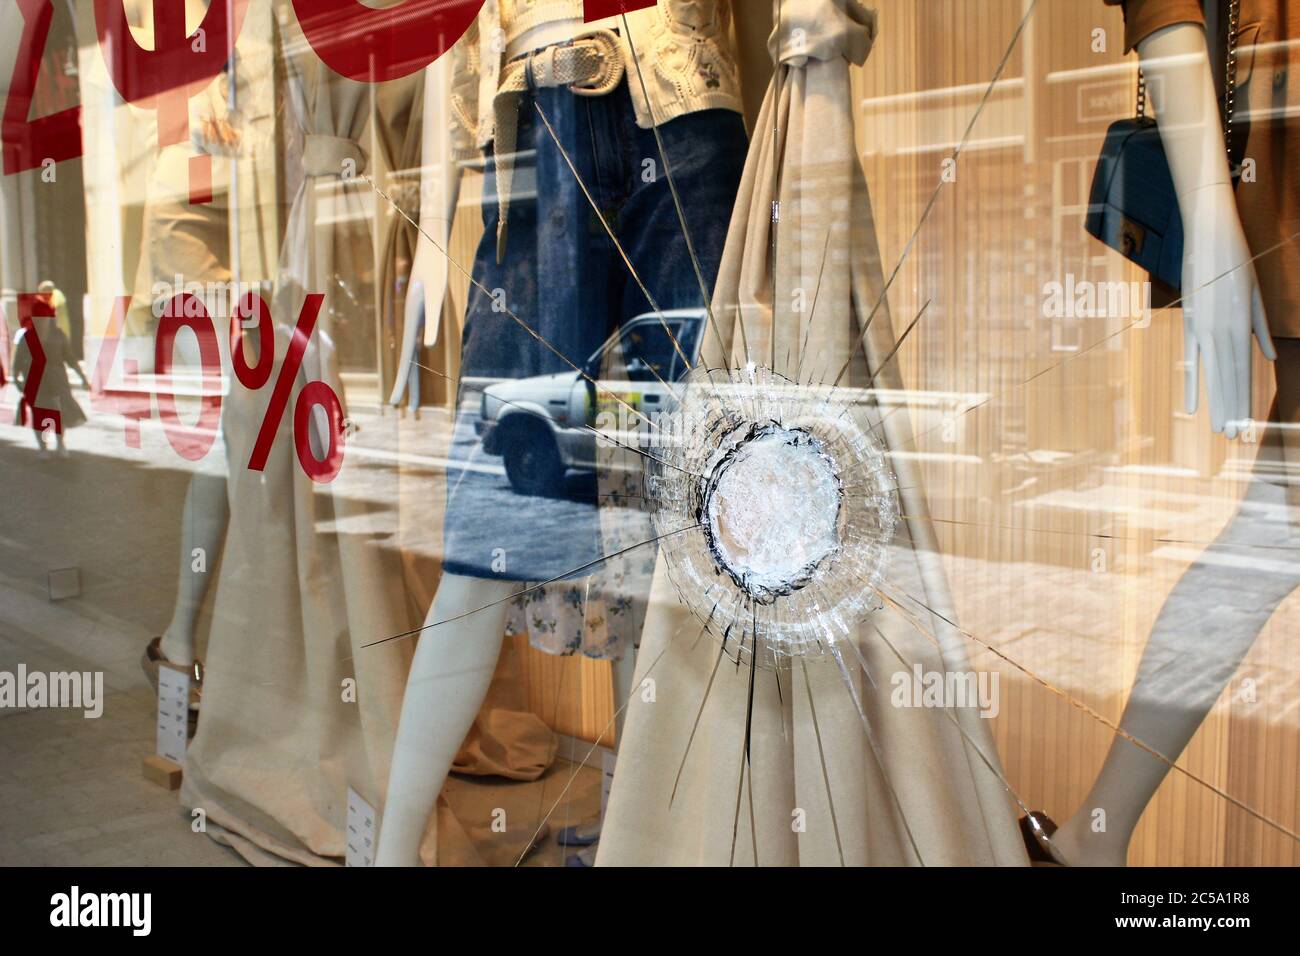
1229 79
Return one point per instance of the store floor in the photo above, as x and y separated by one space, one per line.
72 791
1076 615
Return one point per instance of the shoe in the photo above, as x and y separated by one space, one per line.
580 834
1036 829
583 858
154 657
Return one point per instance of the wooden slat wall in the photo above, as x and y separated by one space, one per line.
574 695
1010 223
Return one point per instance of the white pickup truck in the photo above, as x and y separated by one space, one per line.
539 425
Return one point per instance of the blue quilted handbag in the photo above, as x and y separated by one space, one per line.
1133 206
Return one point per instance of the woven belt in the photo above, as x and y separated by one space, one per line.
589 65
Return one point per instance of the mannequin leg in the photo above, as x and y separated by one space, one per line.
449 678
207 511
1205 628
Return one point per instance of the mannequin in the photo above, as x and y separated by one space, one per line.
449 677
455 659
203 527
1192 653
194 242
456 662
439 194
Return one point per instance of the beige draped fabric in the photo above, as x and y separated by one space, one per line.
296 709
819 796
307 577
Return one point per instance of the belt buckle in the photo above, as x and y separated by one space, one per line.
611 58
544 57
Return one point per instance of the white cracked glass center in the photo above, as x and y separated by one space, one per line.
773 510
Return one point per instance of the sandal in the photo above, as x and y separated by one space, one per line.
1036 829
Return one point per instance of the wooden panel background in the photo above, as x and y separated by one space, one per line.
1049 510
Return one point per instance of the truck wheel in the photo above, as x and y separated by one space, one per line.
533 462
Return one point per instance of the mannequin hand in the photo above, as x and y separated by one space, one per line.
428 282
422 314
1221 308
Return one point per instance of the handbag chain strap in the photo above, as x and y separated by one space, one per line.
1229 79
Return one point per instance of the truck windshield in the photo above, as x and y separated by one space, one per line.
645 351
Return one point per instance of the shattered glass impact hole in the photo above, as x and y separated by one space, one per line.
776 509
771 510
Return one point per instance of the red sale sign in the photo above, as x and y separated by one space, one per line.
374 45
353 39
28 141
599 9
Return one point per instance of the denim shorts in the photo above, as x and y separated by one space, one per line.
563 276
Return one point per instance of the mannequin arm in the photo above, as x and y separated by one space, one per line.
439 192
1221 300
1191 653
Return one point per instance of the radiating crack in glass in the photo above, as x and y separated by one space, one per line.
979 751
618 246
760 471
821 759
705 293
572 572
1136 323
598 434
934 196
874 745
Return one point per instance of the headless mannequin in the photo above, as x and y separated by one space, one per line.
454 662
207 511
1217 609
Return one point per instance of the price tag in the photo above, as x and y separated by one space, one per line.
173 713
361 831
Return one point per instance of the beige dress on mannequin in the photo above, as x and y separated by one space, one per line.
306 575
311 573
819 795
